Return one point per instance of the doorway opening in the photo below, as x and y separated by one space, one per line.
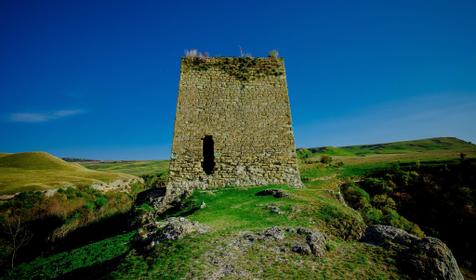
208 163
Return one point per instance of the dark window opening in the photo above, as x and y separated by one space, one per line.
208 163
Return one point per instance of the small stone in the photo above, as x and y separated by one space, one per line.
302 249
274 209
275 233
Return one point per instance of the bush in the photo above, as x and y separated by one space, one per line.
325 159
303 153
273 53
339 164
378 186
101 201
382 201
355 196
373 216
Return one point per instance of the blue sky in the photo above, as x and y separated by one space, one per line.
98 79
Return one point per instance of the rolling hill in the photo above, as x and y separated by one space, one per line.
422 145
232 214
442 148
41 171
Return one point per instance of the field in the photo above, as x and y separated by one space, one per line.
359 159
232 211
138 168
41 171
426 149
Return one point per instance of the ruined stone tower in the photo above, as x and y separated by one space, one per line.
233 124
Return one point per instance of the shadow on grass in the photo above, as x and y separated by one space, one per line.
98 271
102 229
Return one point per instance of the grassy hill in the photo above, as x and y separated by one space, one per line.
41 171
374 155
451 144
230 212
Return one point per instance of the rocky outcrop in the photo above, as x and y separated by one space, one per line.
275 242
389 237
170 229
426 258
117 185
432 259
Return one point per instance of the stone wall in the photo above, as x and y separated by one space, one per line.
243 104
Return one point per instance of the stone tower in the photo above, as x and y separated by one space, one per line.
233 124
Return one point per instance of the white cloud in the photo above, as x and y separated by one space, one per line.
28 117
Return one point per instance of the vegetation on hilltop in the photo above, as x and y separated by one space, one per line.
242 68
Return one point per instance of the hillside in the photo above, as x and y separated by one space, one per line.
423 145
235 245
442 148
41 171
138 168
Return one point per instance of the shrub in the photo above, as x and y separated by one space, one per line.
325 159
101 201
382 201
339 164
378 186
373 216
273 53
304 153
355 196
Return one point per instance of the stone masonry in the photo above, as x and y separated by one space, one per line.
232 124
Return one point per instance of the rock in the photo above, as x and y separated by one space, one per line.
301 248
317 243
432 259
274 192
116 185
169 229
155 198
275 244
274 209
388 236
427 258
274 232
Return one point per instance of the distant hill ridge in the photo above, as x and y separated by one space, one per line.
421 145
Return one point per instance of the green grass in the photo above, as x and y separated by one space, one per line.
361 159
53 266
138 168
41 171
233 210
